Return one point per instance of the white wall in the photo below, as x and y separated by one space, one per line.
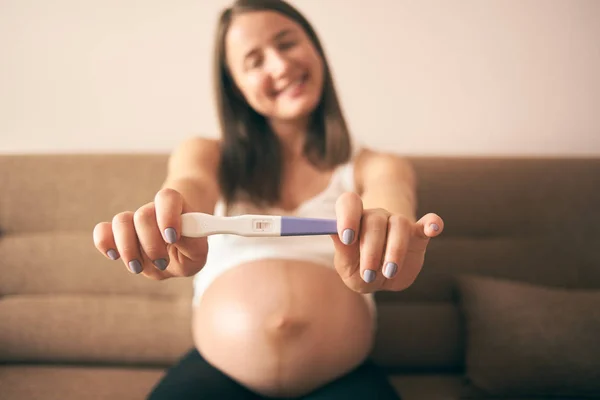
450 77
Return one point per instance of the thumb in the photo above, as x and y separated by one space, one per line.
348 209
195 249
347 257
429 226
170 204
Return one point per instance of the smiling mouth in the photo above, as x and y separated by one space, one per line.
293 87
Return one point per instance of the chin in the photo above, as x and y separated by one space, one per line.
296 115
298 110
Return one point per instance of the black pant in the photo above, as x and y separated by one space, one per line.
195 379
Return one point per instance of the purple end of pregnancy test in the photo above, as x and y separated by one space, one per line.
295 226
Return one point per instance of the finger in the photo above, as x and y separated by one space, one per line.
409 271
191 252
127 241
348 209
373 235
398 236
149 271
104 240
148 233
169 207
429 226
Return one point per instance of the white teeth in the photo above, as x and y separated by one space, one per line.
292 84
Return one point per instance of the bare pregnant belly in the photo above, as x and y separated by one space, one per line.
282 328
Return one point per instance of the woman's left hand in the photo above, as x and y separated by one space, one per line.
378 250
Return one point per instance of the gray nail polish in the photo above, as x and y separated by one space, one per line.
135 266
390 270
435 227
171 235
112 254
369 275
347 236
161 264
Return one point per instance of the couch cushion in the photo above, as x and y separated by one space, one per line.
531 340
94 329
19 382
108 383
66 262
63 192
418 336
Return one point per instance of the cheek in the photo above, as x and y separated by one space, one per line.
256 91
316 67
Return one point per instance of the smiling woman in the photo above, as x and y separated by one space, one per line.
278 316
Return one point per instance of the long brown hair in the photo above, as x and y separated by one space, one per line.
251 156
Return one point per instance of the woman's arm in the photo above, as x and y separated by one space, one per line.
192 171
149 240
386 181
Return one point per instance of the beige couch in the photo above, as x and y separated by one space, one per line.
74 325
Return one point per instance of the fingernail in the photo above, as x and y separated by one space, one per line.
347 236
161 264
369 275
135 266
390 270
112 254
435 227
171 235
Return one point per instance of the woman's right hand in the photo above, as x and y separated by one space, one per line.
149 241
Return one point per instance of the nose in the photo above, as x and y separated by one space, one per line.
277 64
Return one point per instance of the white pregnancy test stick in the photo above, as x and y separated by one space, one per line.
196 224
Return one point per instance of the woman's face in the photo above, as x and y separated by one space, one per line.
274 64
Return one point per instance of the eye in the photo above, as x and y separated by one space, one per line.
254 62
288 44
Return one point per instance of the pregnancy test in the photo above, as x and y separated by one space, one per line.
197 224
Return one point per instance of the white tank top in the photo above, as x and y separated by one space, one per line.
227 251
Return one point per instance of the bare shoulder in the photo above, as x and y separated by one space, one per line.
377 167
195 158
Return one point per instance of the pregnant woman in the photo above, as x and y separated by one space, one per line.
279 317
